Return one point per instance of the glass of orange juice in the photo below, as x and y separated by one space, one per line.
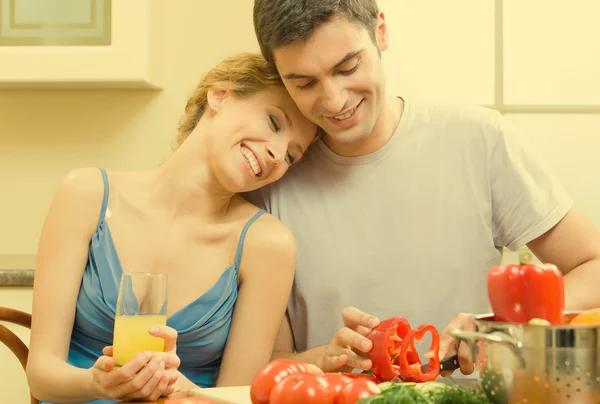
142 303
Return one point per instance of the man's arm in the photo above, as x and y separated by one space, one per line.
573 245
345 351
284 346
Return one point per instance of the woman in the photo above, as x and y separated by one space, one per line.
185 219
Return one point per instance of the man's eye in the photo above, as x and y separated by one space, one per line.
307 86
275 123
291 158
348 72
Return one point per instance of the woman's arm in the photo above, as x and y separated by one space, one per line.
266 275
61 258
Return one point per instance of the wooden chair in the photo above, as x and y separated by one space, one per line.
13 342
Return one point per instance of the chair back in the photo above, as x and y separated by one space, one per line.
11 340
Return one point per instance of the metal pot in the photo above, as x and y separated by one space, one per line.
520 363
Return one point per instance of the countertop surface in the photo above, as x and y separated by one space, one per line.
17 270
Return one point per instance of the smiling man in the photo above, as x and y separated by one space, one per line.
401 208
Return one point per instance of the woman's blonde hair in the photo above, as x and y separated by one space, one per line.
245 74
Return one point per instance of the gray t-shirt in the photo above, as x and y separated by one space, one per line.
412 229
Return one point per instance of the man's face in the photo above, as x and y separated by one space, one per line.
336 78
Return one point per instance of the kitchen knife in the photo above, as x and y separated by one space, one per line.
449 363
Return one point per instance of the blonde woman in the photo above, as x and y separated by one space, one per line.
230 265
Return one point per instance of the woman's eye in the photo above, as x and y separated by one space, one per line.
275 123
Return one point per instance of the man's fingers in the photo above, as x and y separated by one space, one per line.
464 359
450 346
345 337
358 362
354 318
107 350
362 330
167 333
332 363
314 369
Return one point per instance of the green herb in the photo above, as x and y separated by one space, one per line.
397 394
425 393
457 395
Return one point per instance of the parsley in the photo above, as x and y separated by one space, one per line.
410 394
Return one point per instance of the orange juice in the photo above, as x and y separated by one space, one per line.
131 336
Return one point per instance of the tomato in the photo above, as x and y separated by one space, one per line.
337 381
270 375
358 389
304 388
365 376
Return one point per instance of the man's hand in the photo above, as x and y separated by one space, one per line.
348 347
450 346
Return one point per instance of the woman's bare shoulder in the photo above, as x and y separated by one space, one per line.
80 191
268 234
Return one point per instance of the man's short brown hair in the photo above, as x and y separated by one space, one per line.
279 23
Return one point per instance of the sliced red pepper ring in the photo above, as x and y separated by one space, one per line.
411 372
361 376
387 339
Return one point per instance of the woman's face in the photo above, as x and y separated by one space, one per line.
256 139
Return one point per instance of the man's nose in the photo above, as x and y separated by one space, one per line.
333 98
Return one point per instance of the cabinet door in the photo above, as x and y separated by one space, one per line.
77 44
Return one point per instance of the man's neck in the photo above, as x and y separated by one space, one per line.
383 130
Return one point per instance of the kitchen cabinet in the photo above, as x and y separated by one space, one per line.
82 44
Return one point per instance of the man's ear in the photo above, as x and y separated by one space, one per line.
216 97
381 33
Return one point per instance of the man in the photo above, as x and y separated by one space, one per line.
400 209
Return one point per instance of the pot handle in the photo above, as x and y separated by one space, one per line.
470 337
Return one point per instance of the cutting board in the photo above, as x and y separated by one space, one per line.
225 395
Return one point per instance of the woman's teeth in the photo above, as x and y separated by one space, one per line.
345 116
252 160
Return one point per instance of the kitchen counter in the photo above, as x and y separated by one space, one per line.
18 277
17 270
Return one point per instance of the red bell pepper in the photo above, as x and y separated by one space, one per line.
519 293
387 340
411 372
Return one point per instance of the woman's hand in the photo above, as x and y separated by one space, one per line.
142 378
169 357
148 376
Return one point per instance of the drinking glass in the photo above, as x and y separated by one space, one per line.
142 303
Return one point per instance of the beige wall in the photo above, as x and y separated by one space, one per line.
43 134
449 57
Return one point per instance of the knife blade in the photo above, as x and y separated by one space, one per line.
449 363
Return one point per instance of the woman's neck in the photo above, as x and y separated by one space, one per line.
187 186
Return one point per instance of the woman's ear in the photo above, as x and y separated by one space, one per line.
216 97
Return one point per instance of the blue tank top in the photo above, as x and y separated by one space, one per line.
203 325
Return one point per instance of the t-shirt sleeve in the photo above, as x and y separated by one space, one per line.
527 199
260 197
